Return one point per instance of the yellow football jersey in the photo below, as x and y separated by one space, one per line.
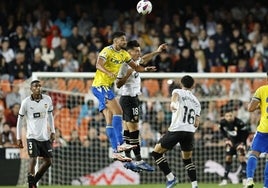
113 61
261 94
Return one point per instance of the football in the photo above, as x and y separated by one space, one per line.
144 7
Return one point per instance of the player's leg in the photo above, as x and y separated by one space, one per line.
33 153
241 154
45 149
187 145
167 142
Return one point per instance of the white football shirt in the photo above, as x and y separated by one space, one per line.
132 87
183 118
36 114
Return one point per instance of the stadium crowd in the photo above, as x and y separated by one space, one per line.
64 36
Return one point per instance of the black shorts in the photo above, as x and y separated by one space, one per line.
130 107
185 139
39 148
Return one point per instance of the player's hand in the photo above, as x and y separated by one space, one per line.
19 143
112 75
52 137
150 69
162 47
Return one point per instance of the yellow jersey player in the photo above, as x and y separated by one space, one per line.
260 140
108 64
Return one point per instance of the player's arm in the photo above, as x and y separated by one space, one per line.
174 103
100 66
52 127
121 81
147 57
140 68
197 121
253 104
19 130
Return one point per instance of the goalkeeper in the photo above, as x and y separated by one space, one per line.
235 133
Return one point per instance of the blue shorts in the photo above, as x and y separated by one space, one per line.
103 93
260 142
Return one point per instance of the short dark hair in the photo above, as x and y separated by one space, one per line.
132 44
187 81
35 81
118 34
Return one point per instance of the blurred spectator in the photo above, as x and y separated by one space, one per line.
217 89
37 64
84 24
212 55
210 24
6 51
24 48
75 40
148 135
68 63
47 54
4 74
74 140
88 111
19 68
203 39
16 36
240 89
195 25
89 64
185 63
255 35
262 47
44 23
61 49
200 60
13 97
34 38
238 38
7 137
65 23
12 116
243 65
163 62
53 37
256 63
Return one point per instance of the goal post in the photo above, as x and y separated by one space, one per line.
81 155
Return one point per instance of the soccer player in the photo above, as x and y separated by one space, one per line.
109 61
37 108
129 83
235 133
185 120
260 140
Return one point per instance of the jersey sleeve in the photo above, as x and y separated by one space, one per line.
257 94
23 108
127 57
104 53
123 70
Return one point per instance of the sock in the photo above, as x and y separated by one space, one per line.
227 169
251 165
38 176
190 167
266 174
194 184
117 125
170 176
243 171
161 161
31 179
126 138
134 140
111 135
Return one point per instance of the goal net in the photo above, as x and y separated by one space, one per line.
82 151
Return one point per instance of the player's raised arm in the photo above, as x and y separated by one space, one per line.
147 57
140 68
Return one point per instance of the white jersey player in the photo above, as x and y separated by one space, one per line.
37 109
185 120
129 82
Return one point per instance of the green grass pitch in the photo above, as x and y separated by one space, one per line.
201 185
